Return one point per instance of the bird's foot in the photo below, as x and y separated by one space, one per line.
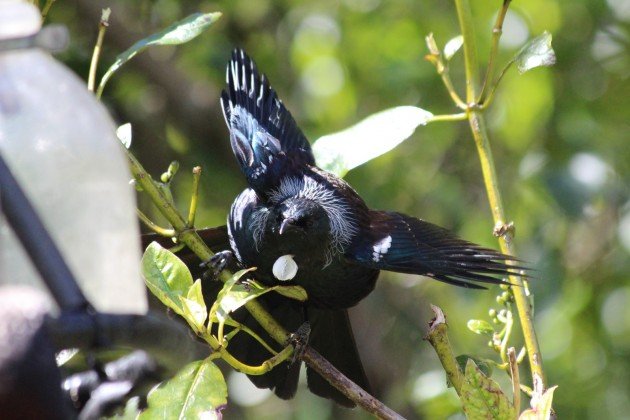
299 341
217 263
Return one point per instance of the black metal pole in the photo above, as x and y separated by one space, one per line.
38 243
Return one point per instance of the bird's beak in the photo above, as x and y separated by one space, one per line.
286 223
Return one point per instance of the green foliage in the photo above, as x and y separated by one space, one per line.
197 391
167 277
375 135
482 397
479 326
178 33
536 53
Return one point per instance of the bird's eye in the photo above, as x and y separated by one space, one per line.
304 223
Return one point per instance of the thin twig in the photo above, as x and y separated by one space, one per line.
102 28
497 31
478 128
347 387
516 386
438 337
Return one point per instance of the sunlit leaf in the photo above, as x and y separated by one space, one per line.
482 397
479 326
237 296
537 52
377 134
198 391
124 134
166 276
194 307
452 46
178 33
541 408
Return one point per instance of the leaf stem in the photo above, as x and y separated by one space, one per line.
169 233
480 135
497 31
448 117
102 28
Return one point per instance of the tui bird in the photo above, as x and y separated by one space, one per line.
299 224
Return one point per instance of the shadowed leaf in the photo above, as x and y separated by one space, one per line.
482 397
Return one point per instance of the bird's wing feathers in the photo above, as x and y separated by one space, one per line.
264 136
396 242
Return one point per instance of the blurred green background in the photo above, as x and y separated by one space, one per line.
560 139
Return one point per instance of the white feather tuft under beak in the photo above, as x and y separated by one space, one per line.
285 268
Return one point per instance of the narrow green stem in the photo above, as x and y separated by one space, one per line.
497 30
480 135
464 16
446 79
261 369
194 197
488 100
102 28
46 8
169 233
448 117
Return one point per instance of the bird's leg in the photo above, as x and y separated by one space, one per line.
299 341
217 263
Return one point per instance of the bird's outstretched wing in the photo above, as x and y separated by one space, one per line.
396 242
264 136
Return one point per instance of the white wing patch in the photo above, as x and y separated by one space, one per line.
381 247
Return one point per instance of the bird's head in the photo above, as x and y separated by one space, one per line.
298 215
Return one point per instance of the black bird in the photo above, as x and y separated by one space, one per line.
299 224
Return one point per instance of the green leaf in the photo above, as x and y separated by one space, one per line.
292 292
541 407
197 391
178 33
377 134
537 52
481 396
237 296
195 311
166 276
479 326
452 46
484 367
123 133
